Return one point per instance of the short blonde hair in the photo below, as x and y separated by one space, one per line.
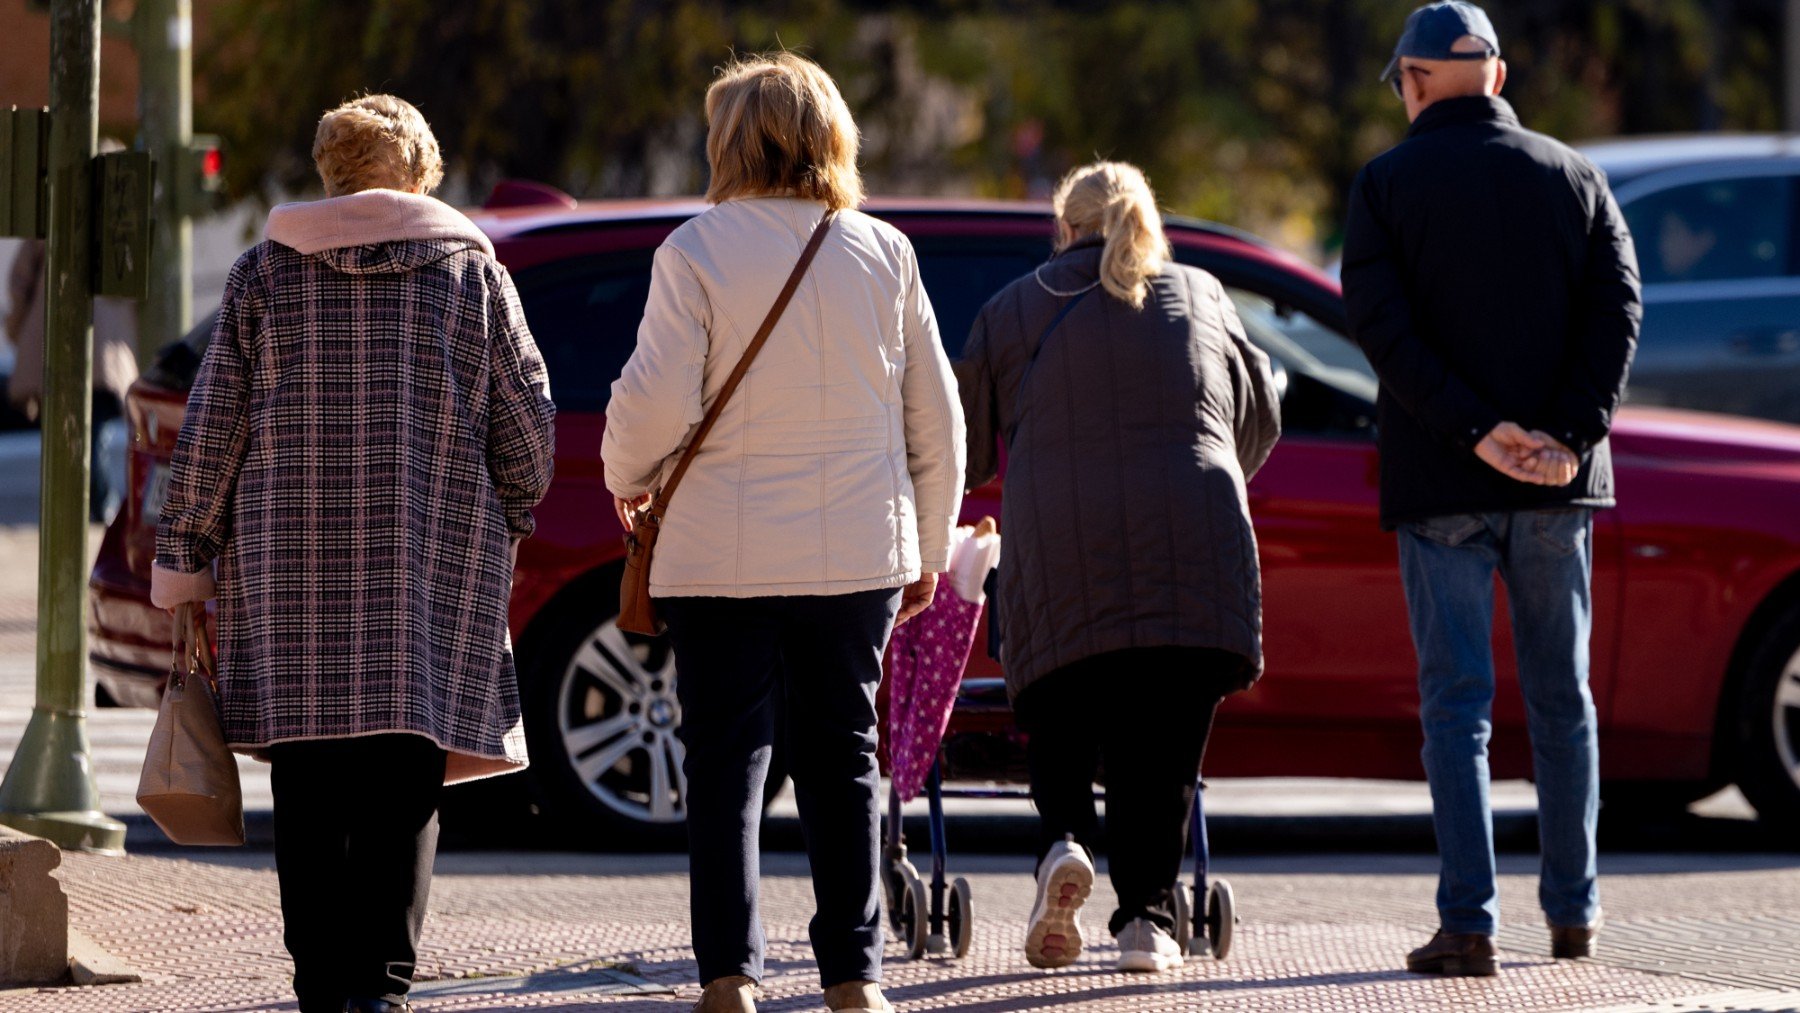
1113 200
377 141
778 125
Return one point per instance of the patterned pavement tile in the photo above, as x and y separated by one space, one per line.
1322 934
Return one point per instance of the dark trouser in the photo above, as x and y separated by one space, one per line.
1145 714
355 835
740 661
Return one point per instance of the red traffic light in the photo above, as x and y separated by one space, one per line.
201 170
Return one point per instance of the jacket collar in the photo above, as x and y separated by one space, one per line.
1469 109
369 217
1093 242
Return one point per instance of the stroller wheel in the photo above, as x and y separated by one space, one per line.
894 878
961 917
1221 917
1185 938
915 917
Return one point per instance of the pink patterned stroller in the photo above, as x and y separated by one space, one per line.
926 658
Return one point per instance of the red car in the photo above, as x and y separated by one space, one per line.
1696 650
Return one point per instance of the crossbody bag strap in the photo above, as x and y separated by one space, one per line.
1031 363
661 504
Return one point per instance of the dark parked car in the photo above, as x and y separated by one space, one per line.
1696 655
1717 224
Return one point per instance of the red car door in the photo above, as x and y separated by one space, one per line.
1341 687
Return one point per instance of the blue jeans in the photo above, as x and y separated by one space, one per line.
1546 558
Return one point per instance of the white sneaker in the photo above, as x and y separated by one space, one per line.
1145 946
1064 880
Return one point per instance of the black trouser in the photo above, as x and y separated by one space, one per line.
355 834
741 660
1144 714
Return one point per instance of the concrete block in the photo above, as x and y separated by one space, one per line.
34 913
91 965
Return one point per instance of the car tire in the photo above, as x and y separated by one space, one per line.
1767 726
600 720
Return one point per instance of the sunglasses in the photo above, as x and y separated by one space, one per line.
1399 76
1488 53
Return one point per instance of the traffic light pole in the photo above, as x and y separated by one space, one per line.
49 788
162 31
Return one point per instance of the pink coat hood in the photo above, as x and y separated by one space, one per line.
368 217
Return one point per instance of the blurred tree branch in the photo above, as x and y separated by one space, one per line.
1256 112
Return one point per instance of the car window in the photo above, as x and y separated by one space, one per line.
960 277
1302 343
1330 386
584 315
1713 231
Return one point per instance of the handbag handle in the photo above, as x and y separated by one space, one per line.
660 504
192 652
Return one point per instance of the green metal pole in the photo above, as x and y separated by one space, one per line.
49 788
163 33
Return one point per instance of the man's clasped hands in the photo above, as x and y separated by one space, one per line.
1528 456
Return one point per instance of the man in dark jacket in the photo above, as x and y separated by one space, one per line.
1492 284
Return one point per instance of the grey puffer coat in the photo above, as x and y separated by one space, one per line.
1125 517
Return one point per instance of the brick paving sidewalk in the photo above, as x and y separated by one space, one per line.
1318 934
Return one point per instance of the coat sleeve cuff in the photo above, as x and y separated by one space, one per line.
1578 423
934 544
1474 424
169 588
620 486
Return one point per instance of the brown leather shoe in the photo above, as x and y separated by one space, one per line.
1456 955
1573 942
732 994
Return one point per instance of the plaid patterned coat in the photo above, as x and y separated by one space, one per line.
368 432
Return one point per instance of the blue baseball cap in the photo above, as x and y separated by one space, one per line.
1433 30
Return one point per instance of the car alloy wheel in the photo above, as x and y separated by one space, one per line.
1765 740
1784 714
617 715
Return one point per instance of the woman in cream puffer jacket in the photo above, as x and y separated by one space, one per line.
815 515
834 468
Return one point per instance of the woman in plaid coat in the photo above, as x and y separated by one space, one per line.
363 445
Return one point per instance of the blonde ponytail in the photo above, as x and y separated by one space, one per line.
1114 201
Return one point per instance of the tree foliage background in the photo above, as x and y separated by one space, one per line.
1253 112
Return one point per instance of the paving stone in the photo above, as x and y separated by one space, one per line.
1324 934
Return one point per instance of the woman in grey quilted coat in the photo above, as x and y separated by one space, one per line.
1133 411
367 435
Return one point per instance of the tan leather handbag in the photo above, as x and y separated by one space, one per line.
637 613
190 781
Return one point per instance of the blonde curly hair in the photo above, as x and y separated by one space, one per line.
376 142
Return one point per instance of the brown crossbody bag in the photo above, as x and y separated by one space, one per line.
637 613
